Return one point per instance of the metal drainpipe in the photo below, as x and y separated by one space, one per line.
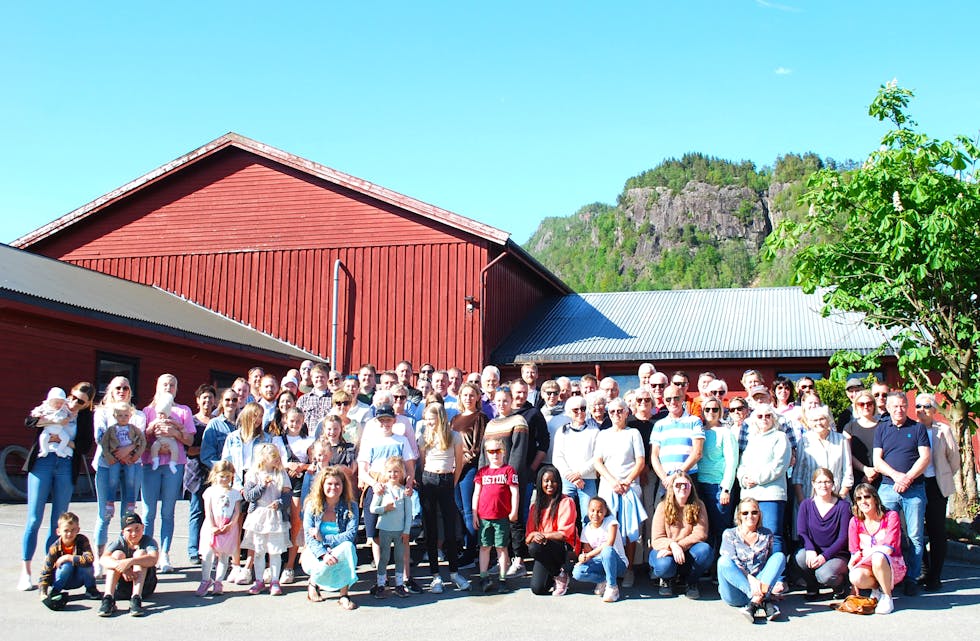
483 305
333 319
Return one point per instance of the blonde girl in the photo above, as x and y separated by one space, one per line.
394 510
220 531
268 493
442 464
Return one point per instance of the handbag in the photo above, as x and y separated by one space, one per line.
855 604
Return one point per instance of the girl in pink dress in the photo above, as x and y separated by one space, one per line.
220 531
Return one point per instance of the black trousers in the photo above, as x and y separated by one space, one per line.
549 558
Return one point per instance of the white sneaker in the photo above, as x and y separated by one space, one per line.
267 576
24 583
628 579
163 565
611 594
876 594
600 588
436 586
459 580
244 576
516 568
288 576
885 605
97 568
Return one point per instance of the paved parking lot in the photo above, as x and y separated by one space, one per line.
175 614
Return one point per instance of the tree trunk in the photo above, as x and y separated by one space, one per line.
965 499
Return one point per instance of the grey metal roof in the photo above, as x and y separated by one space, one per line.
42 280
776 322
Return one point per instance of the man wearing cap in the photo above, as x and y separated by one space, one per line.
852 387
759 395
130 568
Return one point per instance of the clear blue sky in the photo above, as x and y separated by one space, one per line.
506 112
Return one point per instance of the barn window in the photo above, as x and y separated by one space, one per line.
108 366
222 380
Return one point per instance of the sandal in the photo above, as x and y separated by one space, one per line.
313 593
346 603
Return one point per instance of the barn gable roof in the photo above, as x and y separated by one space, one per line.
38 280
293 161
762 323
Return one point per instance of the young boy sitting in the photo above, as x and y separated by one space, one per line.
68 565
495 502
130 568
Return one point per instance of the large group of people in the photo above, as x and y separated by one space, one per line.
568 481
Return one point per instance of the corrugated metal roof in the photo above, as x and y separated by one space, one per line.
777 322
44 279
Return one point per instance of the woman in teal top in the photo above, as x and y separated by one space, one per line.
716 470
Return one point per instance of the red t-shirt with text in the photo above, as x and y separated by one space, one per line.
495 484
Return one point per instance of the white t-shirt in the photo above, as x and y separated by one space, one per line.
598 536
619 450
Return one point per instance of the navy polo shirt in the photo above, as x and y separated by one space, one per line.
900 445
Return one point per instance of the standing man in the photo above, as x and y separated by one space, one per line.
588 384
456 380
553 411
852 387
538 444
880 392
609 388
658 383
645 371
489 382
677 440
901 454
317 402
268 390
405 377
367 379
529 374
440 383
305 374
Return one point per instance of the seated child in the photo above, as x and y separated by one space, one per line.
53 414
69 565
125 441
130 568
164 406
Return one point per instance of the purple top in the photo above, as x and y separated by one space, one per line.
826 534
183 416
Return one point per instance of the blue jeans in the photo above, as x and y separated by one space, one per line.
604 568
108 481
464 501
582 497
733 584
772 519
50 476
165 486
195 518
697 560
70 576
719 516
911 504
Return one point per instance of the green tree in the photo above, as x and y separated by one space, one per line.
905 252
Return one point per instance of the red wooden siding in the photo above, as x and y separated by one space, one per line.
513 290
394 302
237 201
46 349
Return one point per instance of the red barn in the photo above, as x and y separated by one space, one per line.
271 239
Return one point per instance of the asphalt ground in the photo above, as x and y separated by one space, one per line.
175 614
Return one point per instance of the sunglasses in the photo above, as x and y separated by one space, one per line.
712 409
342 403
578 409
866 404
715 392
748 512
760 416
737 408
399 397
802 387
333 380
77 400
679 383
644 400
660 385
232 399
552 392
615 412
863 497
121 387
880 395
670 399
496 451
427 371
924 406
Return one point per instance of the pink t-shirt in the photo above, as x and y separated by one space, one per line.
180 414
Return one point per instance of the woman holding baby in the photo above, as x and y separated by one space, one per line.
169 430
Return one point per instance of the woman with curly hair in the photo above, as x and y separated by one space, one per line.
330 527
678 538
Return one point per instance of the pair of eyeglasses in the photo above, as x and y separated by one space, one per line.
616 412
578 409
866 404
121 387
803 387
823 482
924 406
761 416
679 383
715 392
737 408
863 497
880 395
333 380
399 397
552 392
750 512
644 400
712 409
427 372
671 399
342 403
660 385
494 451
682 486
233 399
77 400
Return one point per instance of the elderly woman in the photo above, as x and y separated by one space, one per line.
574 449
163 484
54 476
619 460
874 538
716 469
679 553
939 485
822 447
822 523
762 472
108 477
861 429
596 403
749 565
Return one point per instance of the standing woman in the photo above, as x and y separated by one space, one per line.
107 478
442 462
762 471
716 469
861 429
470 424
195 472
573 453
53 476
822 522
939 485
162 484
820 446
619 460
